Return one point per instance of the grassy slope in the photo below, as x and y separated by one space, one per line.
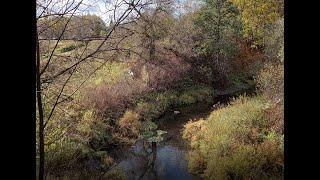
236 142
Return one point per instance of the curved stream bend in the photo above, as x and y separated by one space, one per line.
168 160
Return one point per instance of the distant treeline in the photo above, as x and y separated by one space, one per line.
76 27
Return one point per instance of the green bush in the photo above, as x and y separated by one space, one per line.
240 81
68 148
235 142
59 155
186 99
68 48
148 129
154 105
147 110
195 94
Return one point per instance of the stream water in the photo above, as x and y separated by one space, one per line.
168 160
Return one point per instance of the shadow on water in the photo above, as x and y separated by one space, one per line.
167 159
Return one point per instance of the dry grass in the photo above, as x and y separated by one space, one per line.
237 142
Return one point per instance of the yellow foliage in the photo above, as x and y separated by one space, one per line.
236 142
192 131
257 16
130 124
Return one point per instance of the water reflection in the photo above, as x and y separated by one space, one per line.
154 161
166 160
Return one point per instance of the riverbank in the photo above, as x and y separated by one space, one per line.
237 141
169 160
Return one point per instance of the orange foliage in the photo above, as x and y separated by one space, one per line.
246 57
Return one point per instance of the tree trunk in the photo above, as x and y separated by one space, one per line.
40 111
154 152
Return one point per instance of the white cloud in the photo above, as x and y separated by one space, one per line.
102 8
105 8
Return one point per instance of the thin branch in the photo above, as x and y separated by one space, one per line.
47 64
57 99
122 18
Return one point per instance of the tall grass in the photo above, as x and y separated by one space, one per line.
236 142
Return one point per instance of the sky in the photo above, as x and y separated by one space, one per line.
102 8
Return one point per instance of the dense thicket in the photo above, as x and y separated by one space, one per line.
244 140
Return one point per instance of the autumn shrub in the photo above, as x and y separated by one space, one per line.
71 156
112 99
129 124
70 146
120 86
79 131
236 142
95 131
126 95
192 131
245 66
270 81
275 116
115 89
166 72
246 58
86 165
274 42
59 156
44 47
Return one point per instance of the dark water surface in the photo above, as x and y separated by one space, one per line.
169 159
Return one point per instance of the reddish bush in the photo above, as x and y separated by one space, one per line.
114 99
247 58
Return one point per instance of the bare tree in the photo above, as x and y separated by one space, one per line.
48 75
